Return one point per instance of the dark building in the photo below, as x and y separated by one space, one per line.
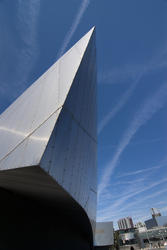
151 223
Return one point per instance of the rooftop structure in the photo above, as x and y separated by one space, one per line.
155 212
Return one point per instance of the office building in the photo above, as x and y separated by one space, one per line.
125 223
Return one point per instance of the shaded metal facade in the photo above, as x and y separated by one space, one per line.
70 157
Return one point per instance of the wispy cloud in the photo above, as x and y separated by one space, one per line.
25 53
145 197
27 25
118 75
124 98
141 142
141 171
161 202
146 111
120 206
132 73
164 209
145 141
74 26
128 182
135 191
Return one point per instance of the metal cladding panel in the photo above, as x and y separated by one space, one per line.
34 107
30 150
70 156
104 235
81 101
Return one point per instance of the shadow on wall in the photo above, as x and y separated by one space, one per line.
27 223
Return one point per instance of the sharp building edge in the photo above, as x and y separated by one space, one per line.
48 146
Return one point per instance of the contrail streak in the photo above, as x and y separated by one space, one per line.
74 26
142 170
118 107
148 109
135 72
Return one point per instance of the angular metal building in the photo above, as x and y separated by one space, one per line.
48 157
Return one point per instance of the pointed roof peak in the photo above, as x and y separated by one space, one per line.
89 33
81 44
93 29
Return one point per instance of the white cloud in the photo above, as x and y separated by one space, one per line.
74 26
150 106
120 208
133 73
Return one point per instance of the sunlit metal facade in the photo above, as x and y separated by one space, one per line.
48 135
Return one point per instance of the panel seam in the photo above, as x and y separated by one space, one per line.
30 134
79 124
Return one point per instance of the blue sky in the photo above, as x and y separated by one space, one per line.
132 87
